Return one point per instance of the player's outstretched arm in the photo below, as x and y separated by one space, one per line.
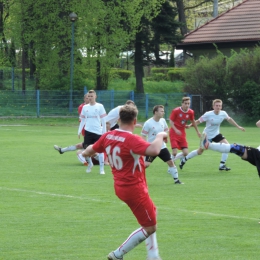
195 125
233 122
155 147
89 151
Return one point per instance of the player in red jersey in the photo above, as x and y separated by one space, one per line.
178 121
125 152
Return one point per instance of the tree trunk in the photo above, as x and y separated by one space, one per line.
182 17
98 78
138 60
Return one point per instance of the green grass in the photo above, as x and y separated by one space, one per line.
51 209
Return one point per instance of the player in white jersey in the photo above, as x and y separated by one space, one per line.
213 121
151 128
92 119
113 116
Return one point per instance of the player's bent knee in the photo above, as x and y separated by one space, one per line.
237 149
150 230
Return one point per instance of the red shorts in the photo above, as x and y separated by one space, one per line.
141 205
178 141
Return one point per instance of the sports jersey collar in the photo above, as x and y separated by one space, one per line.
184 111
121 130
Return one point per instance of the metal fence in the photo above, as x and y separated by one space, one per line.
41 103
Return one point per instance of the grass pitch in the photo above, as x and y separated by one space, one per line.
52 209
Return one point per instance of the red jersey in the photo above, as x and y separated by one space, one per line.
79 111
80 108
180 118
124 151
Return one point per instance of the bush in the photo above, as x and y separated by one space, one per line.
176 74
124 74
159 76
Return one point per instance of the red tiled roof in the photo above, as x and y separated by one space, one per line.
241 23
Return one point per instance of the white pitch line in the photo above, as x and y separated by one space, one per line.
118 202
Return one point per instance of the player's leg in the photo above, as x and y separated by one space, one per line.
87 142
68 148
148 160
165 156
145 212
81 158
221 139
190 156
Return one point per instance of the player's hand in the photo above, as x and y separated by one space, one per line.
79 136
178 132
241 128
199 134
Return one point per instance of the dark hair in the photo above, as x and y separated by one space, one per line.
130 102
185 99
128 113
155 108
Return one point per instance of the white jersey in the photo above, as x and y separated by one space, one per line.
113 116
93 118
213 122
151 128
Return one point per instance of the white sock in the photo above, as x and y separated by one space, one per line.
132 241
219 147
89 160
178 156
152 246
101 161
69 148
191 155
81 158
173 171
224 157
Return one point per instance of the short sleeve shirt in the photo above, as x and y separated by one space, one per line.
124 151
93 115
213 122
180 117
151 128
113 116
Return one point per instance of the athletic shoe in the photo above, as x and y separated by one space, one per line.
111 256
56 147
82 159
102 172
224 168
178 182
182 163
89 168
154 258
204 143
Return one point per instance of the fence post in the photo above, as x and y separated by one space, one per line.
85 90
38 102
146 105
132 95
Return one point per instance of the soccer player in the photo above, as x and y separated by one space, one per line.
151 128
247 153
92 119
125 152
113 116
213 121
178 121
79 145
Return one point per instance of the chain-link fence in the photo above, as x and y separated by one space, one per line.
41 103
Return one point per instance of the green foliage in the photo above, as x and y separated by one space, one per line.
234 79
159 76
176 74
122 74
